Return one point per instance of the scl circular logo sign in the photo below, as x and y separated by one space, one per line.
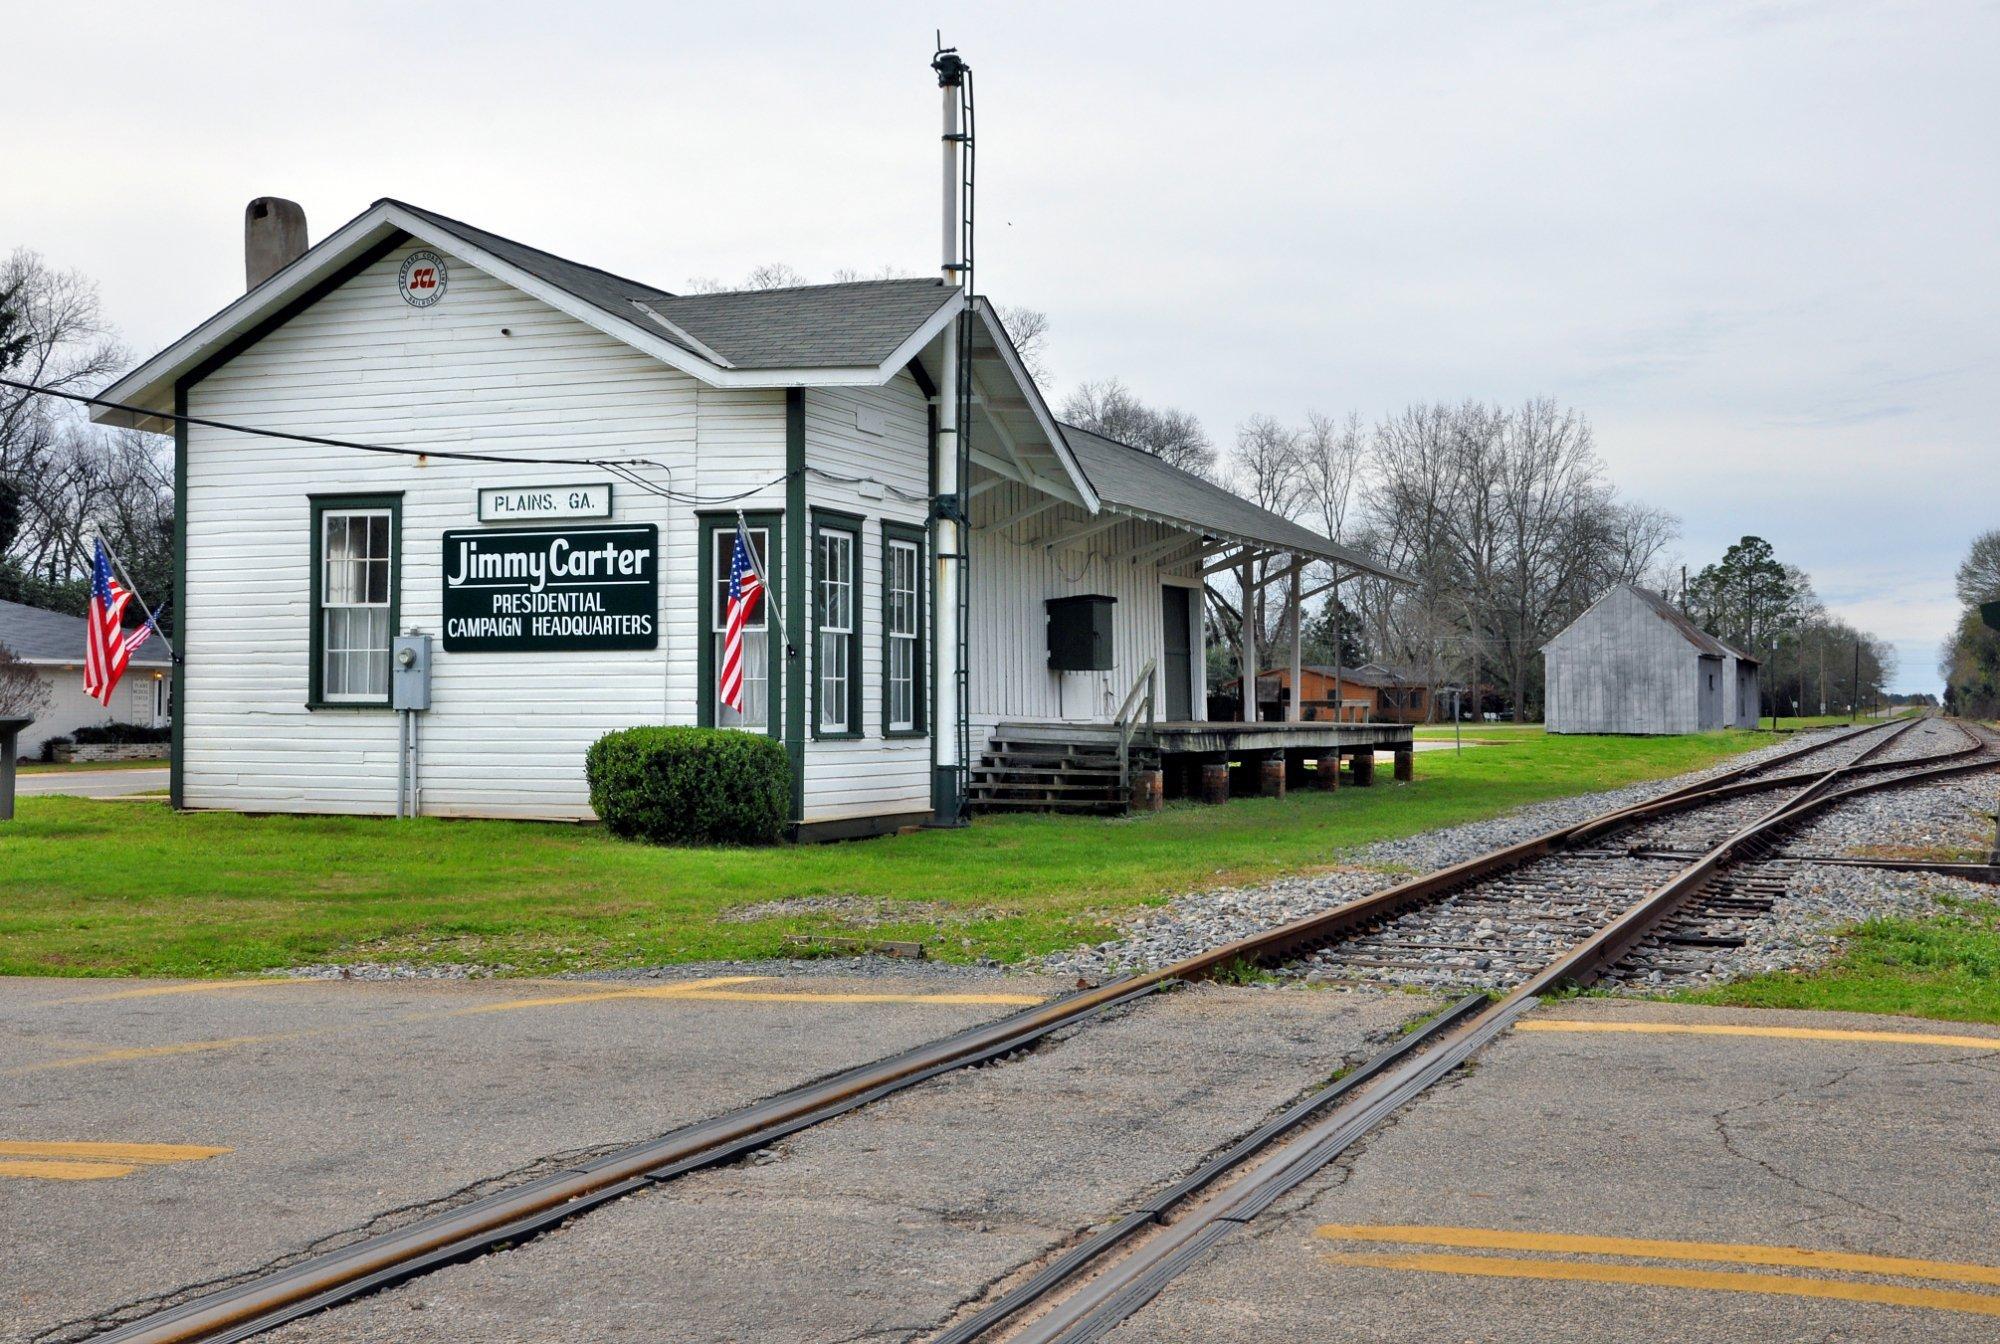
422 278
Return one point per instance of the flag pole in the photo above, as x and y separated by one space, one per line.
770 601
133 589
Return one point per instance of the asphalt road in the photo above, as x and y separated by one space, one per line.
1574 1186
881 1223
253 1119
91 783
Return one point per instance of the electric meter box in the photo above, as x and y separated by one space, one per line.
410 672
1080 633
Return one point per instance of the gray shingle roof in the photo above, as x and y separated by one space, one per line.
1708 644
37 636
1131 480
855 325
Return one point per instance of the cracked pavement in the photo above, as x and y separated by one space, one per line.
879 1224
350 1106
1868 1147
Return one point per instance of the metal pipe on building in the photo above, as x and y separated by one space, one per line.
947 523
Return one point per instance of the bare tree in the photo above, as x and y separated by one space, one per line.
771 275
23 693
1109 408
52 334
1028 329
1979 573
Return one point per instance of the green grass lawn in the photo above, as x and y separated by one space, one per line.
105 888
1946 966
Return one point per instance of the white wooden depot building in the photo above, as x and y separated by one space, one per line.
570 566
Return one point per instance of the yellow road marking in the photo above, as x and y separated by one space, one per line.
63 1161
1735 1253
64 1171
148 1154
1720 1281
1776 1033
669 991
121 1055
818 996
198 987
715 989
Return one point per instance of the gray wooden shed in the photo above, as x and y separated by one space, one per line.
1634 663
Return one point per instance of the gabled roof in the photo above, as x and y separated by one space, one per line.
1133 481
809 326
1705 644
34 635
860 334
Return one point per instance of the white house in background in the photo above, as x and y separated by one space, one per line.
52 644
579 448
1634 663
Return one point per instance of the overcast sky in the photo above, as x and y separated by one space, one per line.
1755 243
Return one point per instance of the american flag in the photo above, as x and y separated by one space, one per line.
107 645
744 590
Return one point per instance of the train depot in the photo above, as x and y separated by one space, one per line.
543 468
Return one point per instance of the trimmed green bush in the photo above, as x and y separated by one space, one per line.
690 786
119 734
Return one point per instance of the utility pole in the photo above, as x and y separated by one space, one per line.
1855 699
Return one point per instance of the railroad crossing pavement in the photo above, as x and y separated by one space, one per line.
1682 1182
156 1134
885 1219
257 1118
91 783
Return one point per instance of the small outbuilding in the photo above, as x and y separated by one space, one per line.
52 644
1634 663
1370 693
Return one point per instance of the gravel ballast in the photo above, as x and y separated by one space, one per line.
1801 929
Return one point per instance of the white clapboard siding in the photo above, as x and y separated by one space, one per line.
507 732
1014 573
872 775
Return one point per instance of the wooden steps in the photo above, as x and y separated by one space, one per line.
1049 769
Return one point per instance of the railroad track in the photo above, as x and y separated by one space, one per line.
1569 938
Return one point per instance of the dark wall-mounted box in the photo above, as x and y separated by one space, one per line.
1080 633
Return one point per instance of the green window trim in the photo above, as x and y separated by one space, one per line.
321 505
834 523
772 522
913 535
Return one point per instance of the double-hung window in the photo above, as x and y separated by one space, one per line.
354 596
902 629
756 651
836 627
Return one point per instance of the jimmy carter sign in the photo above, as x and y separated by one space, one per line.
517 589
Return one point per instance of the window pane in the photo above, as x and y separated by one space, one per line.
833 681
725 556
333 670
756 682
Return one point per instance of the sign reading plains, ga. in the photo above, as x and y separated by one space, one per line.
520 589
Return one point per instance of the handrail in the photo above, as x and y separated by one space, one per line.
1141 694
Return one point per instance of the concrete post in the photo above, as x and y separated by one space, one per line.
1328 775
1215 781
10 740
1406 765
1364 767
1271 775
